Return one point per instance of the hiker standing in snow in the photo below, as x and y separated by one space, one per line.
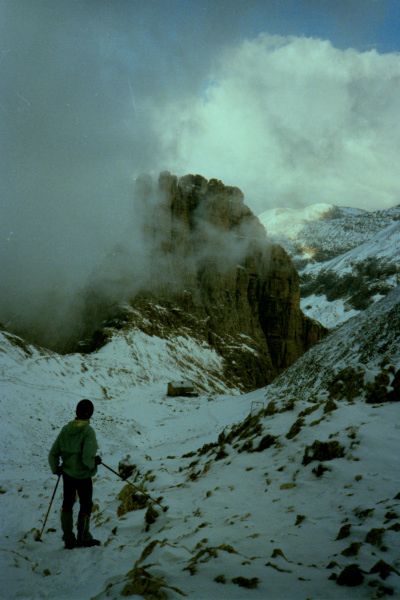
76 445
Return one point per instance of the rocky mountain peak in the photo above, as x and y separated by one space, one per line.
218 279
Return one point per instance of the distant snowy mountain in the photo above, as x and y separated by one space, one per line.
347 258
383 245
289 222
321 231
291 491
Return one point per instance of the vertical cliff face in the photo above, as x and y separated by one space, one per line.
241 292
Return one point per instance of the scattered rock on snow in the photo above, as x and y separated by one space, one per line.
352 550
126 467
246 583
323 451
299 520
351 576
320 470
344 531
383 569
151 516
130 500
266 442
375 537
295 428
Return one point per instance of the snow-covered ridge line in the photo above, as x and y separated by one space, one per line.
384 244
331 231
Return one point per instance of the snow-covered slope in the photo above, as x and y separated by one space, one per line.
322 231
347 258
271 495
385 244
337 289
290 222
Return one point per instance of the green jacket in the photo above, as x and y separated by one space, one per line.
76 445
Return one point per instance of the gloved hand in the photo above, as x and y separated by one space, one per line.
97 460
59 471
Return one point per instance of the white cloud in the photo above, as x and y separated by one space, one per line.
293 121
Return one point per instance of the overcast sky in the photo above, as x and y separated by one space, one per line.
294 101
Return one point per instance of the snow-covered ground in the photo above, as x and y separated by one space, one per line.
322 238
246 510
330 314
383 245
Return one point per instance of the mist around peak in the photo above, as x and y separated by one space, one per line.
163 241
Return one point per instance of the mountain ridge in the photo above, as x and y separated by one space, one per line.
346 258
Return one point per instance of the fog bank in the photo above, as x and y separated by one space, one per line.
93 93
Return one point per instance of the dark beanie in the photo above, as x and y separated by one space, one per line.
84 409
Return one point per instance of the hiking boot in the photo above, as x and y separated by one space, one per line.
85 539
68 534
88 543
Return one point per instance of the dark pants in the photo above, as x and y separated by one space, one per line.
84 489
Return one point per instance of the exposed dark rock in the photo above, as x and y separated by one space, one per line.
266 442
150 516
391 515
352 550
368 278
295 428
344 532
347 383
271 409
375 536
382 389
383 569
320 469
245 430
351 576
309 410
330 406
323 451
278 552
130 501
299 520
221 454
380 590
246 582
126 467
363 513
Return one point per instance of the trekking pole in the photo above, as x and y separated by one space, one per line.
164 508
38 536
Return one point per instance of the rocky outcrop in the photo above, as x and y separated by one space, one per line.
217 277
208 271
